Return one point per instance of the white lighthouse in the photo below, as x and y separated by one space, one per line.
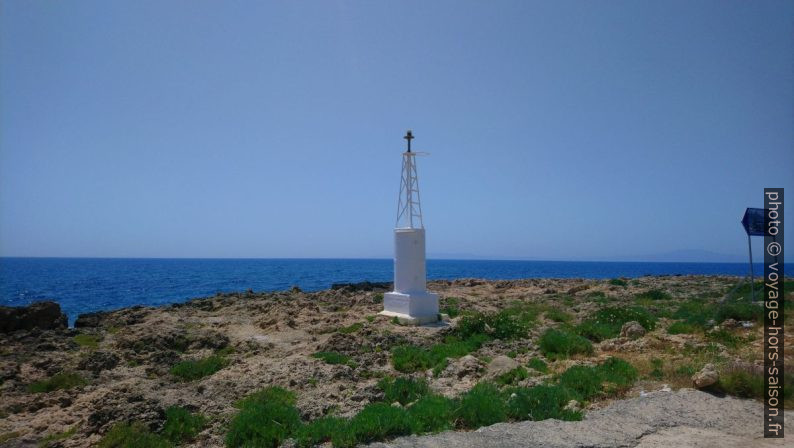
410 301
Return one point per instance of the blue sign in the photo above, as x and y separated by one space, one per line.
753 222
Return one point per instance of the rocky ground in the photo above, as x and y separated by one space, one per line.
117 366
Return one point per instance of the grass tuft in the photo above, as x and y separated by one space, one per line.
540 403
403 390
88 341
63 380
192 370
182 426
132 435
266 418
560 344
538 364
607 322
681 328
482 405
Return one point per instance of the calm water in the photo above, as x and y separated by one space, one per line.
81 285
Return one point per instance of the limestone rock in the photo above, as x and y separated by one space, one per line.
501 364
41 315
465 366
99 361
632 330
89 319
706 377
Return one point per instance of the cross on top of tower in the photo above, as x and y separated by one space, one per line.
409 136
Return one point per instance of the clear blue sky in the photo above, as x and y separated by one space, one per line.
557 130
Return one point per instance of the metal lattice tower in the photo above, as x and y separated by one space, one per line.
409 207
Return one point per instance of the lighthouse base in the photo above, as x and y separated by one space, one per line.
415 308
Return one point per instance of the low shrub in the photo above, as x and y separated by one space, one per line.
63 380
681 328
654 294
403 390
739 310
558 315
132 435
266 418
192 370
618 282
432 413
540 403
482 405
724 337
607 322
559 344
182 426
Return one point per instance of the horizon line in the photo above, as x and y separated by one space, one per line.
371 258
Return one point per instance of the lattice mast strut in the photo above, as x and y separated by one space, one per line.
409 206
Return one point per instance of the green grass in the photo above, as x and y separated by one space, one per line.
403 390
607 322
482 405
618 282
377 421
583 381
557 315
724 337
132 435
377 298
86 341
63 380
266 418
538 364
654 294
412 358
610 377
681 328
57 437
451 307
748 382
560 344
432 413
351 328
321 430
182 426
658 371
512 376
192 370
540 403
739 310
335 358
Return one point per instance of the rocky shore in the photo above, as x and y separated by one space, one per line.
68 387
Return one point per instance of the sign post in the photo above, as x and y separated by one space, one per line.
753 222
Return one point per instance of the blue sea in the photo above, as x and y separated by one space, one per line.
82 285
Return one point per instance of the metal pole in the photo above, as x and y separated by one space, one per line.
752 276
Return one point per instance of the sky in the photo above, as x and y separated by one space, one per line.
612 130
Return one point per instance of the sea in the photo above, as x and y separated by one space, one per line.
82 285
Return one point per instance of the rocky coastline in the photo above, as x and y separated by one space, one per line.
68 387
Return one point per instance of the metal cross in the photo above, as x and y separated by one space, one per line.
409 137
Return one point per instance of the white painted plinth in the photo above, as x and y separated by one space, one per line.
410 302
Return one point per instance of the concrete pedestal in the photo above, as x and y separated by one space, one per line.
410 302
